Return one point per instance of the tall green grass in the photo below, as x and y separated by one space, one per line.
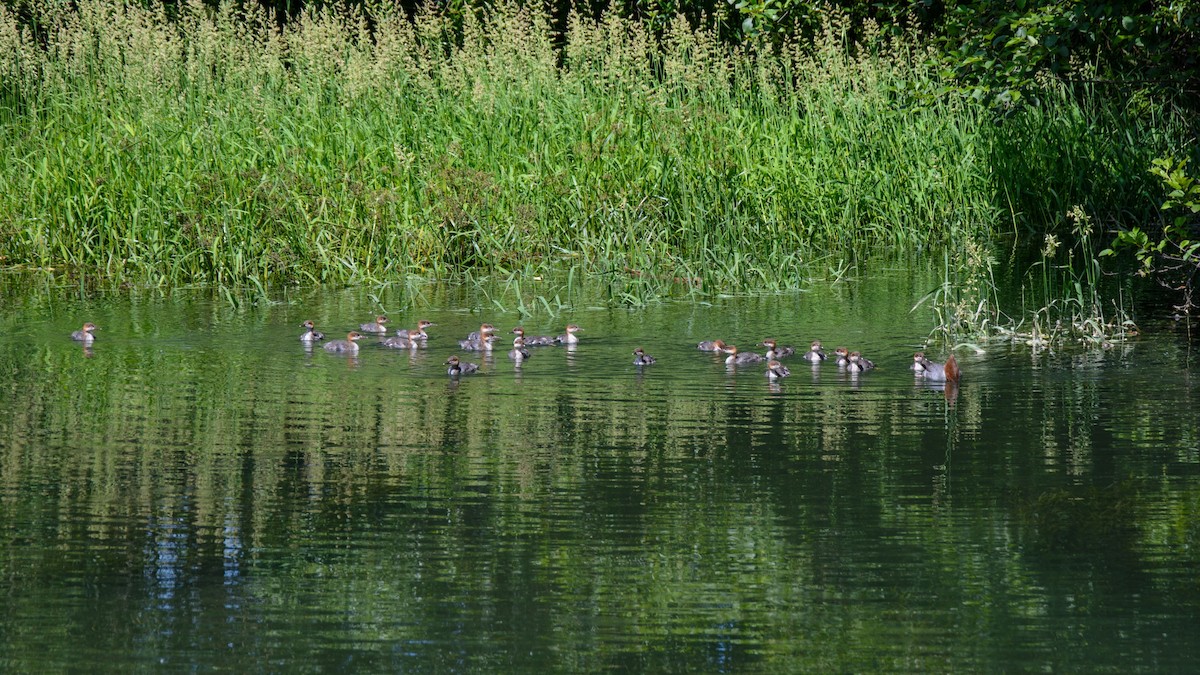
214 147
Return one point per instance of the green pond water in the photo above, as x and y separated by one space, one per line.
199 492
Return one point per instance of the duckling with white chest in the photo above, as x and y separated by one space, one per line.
737 358
776 370
84 334
774 351
459 367
311 335
641 358
518 353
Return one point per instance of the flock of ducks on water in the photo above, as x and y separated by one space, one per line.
482 340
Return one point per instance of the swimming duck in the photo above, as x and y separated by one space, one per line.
570 338
641 358
480 341
518 353
418 334
376 327
711 346
397 342
84 334
347 346
737 358
311 335
458 367
857 364
534 340
936 372
776 370
843 356
815 354
774 351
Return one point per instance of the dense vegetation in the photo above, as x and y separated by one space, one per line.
192 144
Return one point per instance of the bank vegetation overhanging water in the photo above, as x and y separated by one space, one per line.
212 146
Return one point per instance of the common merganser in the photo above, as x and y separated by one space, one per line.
376 327
347 346
815 354
774 351
397 342
570 338
641 358
418 334
518 353
843 356
858 364
479 341
458 367
936 372
737 358
84 334
311 335
776 370
534 340
711 346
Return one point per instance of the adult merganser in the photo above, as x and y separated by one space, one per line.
534 340
311 335
570 338
641 358
737 358
84 334
347 346
479 341
936 372
418 334
711 346
459 367
858 364
376 327
518 353
815 354
776 370
774 351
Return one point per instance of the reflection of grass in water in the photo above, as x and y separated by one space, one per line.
217 149
1083 519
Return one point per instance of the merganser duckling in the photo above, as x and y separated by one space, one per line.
479 341
776 370
84 334
459 367
397 342
843 356
534 340
641 358
815 354
774 351
376 327
347 346
936 372
737 358
518 353
311 335
418 334
857 363
570 338
711 346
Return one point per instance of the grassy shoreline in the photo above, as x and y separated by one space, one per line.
213 148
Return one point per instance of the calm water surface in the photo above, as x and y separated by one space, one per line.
200 492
